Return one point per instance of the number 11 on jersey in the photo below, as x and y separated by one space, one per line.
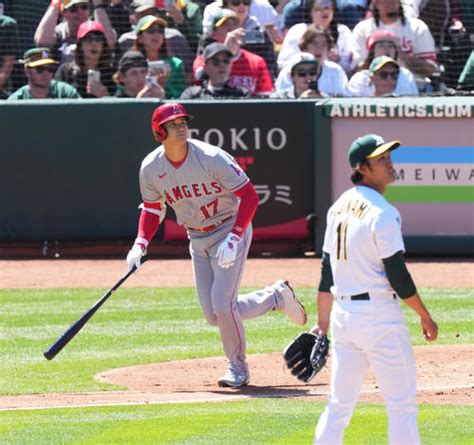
341 248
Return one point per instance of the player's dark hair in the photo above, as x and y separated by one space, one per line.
356 176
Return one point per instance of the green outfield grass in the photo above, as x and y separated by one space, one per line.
142 325
262 421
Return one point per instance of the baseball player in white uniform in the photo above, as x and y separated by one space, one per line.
215 200
364 272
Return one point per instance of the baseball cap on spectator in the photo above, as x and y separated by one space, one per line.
145 22
302 58
369 146
68 3
89 26
132 59
381 35
380 62
221 16
35 57
215 48
142 5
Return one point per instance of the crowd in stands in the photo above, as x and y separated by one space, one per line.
235 49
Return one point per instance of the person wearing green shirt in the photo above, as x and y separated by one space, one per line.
39 68
150 42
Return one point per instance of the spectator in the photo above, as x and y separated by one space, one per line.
443 18
318 42
185 16
249 70
92 53
131 78
466 79
262 10
61 38
303 73
351 12
321 13
118 13
39 70
217 66
175 42
149 41
417 50
9 52
381 43
256 39
384 73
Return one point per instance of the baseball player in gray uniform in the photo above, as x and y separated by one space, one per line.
364 272
215 200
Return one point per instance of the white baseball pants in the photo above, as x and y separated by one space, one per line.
370 333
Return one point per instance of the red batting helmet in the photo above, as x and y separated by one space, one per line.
165 113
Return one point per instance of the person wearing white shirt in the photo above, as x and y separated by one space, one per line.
381 43
317 42
322 14
417 48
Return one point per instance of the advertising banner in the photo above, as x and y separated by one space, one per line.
435 165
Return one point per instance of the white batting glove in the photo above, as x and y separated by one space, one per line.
134 257
227 251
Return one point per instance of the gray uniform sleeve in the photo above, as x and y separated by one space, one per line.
149 192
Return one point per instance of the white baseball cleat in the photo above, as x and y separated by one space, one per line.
234 377
291 305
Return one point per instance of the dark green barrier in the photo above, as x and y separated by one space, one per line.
71 168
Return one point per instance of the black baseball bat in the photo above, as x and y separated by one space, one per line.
71 332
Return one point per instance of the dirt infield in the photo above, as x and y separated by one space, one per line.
444 373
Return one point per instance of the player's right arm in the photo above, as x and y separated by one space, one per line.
153 211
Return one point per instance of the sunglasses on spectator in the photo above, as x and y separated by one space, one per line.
218 62
155 29
385 74
93 38
42 69
239 2
304 73
76 8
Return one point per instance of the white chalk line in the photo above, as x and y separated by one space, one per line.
215 398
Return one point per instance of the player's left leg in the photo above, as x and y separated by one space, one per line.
393 362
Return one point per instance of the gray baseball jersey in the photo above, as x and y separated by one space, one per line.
200 190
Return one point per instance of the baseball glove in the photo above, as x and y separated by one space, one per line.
306 355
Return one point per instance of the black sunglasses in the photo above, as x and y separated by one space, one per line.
76 8
304 73
239 2
42 69
384 74
218 62
155 29
94 38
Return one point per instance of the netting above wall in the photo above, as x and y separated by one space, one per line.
283 48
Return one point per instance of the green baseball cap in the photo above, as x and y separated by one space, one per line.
368 147
380 62
145 22
68 3
35 57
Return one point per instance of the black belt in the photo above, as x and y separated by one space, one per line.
360 297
